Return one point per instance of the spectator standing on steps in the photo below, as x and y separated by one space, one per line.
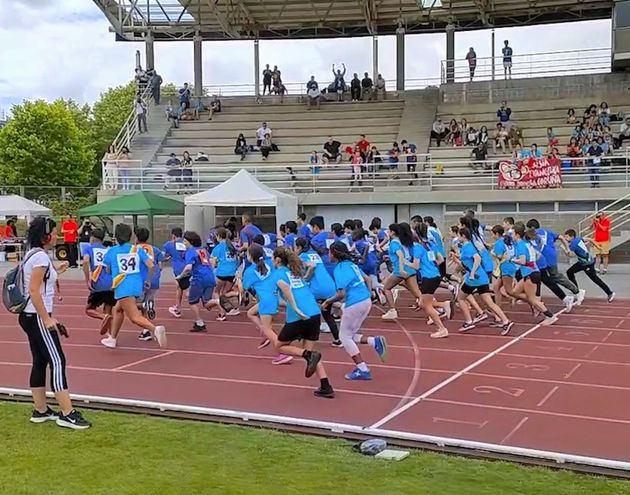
471 57
601 240
355 88
141 115
266 80
70 232
507 59
367 87
339 84
155 83
504 113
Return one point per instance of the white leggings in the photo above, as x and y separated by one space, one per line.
351 320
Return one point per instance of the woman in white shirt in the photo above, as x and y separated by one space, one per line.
42 329
110 164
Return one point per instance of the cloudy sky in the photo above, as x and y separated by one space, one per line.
62 48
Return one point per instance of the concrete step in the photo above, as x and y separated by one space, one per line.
269 117
279 139
303 132
295 152
322 122
230 106
615 102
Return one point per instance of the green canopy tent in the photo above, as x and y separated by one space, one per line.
139 204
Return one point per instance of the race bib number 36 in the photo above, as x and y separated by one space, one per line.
99 256
129 263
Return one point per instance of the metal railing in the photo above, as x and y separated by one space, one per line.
424 175
562 63
618 212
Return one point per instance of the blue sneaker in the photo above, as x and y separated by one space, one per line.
357 374
380 346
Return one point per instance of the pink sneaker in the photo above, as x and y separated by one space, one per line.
282 359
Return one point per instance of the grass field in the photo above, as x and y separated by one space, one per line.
131 454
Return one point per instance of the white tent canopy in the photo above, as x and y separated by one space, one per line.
243 189
14 205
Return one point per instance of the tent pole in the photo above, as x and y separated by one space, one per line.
134 221
152 226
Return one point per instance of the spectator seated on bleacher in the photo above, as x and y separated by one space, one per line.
373 160
454 136
172 114
504 113
483 136
265 145
571 117
499 138
215 106
313 94
186 113
624 132
332 151
514 136
201 157
438 132
262 131
240 147
471 136
479 156
198 108
173 170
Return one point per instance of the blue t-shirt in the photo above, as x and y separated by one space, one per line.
202 272
502 250
486 260
467 254
321 283
522 248
349 277
305 231
271 240
227 263
428 263
265 288
507 54
536 243
303 296
121 260
400 271
97 252
435 237
248 233
289 241
156 255
578 246
321 242
176 251
548 240
366 248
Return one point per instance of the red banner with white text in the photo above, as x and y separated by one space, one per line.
531 173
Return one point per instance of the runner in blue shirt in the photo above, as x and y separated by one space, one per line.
123 263
302 318
320 282
99 281
528 288
175 250
476 282
226 261
400 245
303 228
321 241
291 235
427 259
353 288
548 239
505 272
148 303
248 231
202 279
585 263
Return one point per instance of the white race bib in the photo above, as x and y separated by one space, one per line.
180 246
329 242
295 282
99 256
431 255
129 263
314 258
268 252
267 239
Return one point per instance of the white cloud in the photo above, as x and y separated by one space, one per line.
63 48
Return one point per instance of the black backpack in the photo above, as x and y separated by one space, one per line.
14 294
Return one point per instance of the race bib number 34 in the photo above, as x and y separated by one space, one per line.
129 263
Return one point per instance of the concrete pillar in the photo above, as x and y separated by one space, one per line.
256 68
149 53
450 53
400 59
198 65
374 58
492 41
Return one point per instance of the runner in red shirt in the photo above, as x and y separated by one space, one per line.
601 240
70 231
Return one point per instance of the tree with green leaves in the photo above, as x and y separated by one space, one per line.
42 145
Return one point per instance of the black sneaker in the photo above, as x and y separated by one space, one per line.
326 393
145 336
336 343
311 363
496 324
48 415
505 329
74 420
198 328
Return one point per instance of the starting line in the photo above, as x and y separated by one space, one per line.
340 428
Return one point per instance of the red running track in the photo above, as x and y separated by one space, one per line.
560 389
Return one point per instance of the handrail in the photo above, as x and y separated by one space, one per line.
129 129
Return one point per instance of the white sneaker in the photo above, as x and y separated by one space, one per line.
579 297
392 314
324 328
160 336
381 296
109 341
549 320
175 311
568 303
234 312
440 334
448 312
611 297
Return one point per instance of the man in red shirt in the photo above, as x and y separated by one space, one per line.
364 146
70 231
601 240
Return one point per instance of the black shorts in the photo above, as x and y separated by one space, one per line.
430 285
536 279
490 276
98 299
442 268
183 283
223 278
480 289
301 330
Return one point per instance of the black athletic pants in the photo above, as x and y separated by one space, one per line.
73 253
550 283
46 352
330 321
590 273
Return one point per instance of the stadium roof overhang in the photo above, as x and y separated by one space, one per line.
132 20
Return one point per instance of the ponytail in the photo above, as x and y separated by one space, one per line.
257 254
289 259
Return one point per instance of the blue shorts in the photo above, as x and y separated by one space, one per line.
198 292
268 305
369 269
